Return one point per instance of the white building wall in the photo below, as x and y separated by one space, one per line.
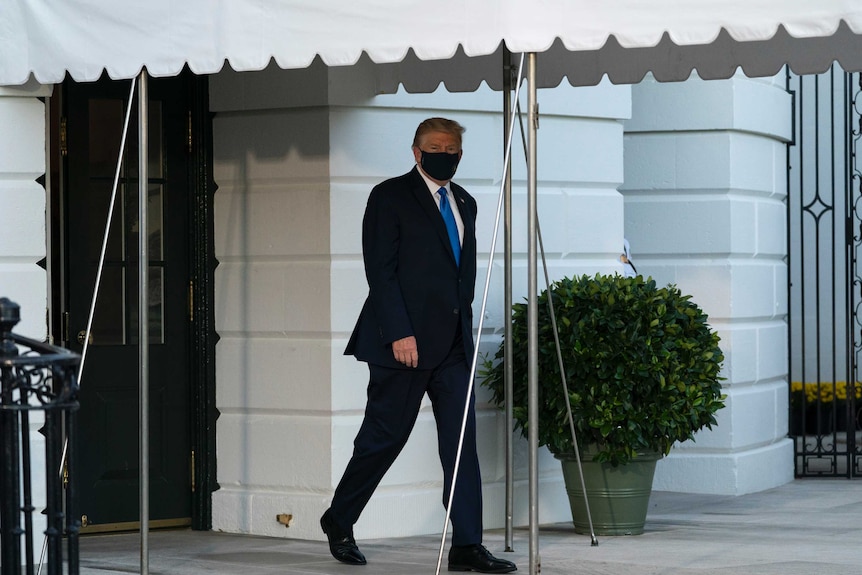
296 154
23 237
704 190
271 165
22 217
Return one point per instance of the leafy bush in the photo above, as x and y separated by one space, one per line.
642 366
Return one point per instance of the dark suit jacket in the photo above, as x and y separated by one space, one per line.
415 288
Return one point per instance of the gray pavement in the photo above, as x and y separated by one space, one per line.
811 526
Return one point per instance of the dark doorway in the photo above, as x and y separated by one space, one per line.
89 124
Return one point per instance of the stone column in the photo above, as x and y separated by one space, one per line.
296 153
22 203
705 185
23 237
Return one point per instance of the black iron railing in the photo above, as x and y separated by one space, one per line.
37 379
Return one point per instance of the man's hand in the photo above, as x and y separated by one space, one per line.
406 352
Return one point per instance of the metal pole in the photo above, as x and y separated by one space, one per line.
507 298
493 250
565 386
64 463
533 317
143 318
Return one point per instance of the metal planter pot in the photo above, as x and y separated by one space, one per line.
618 496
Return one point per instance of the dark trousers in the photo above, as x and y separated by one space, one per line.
394 398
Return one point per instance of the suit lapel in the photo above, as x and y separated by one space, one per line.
426 200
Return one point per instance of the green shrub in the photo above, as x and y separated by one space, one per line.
642 367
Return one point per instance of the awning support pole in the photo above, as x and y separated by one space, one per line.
143 319
507 298
532 315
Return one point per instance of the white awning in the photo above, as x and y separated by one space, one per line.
459 40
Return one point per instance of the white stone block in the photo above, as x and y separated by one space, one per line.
754 415
482 162
782 410
717 165
279 297
650 162
593 223
604 100
389 156
418 463
771 228
253 149
349 380
271 221
402 512
657 107
781 295
576 150
702 161
487 197
583 221
26 285
779 168
671 224
347 207
231 509
22 219
722 435
304 508
766 467
349 291
273 450
708 282
762 107
753 279
727 474
742 216
392 156
738 103
739 345
772 360
752 163
273 373
22 140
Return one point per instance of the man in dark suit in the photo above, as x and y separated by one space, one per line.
415 333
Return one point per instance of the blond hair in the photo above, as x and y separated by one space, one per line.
438 125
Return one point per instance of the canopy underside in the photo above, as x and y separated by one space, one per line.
457 42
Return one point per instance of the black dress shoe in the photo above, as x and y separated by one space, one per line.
477 558
341 543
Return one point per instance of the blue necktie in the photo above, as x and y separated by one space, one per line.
451 226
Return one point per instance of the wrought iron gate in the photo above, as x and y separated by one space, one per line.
824 229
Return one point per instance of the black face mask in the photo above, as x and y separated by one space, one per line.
440 165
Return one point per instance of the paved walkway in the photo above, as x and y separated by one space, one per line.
811 527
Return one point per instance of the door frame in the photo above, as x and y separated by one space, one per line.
202 264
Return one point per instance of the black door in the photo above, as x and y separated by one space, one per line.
108 478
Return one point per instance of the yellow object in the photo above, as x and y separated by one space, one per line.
826 391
